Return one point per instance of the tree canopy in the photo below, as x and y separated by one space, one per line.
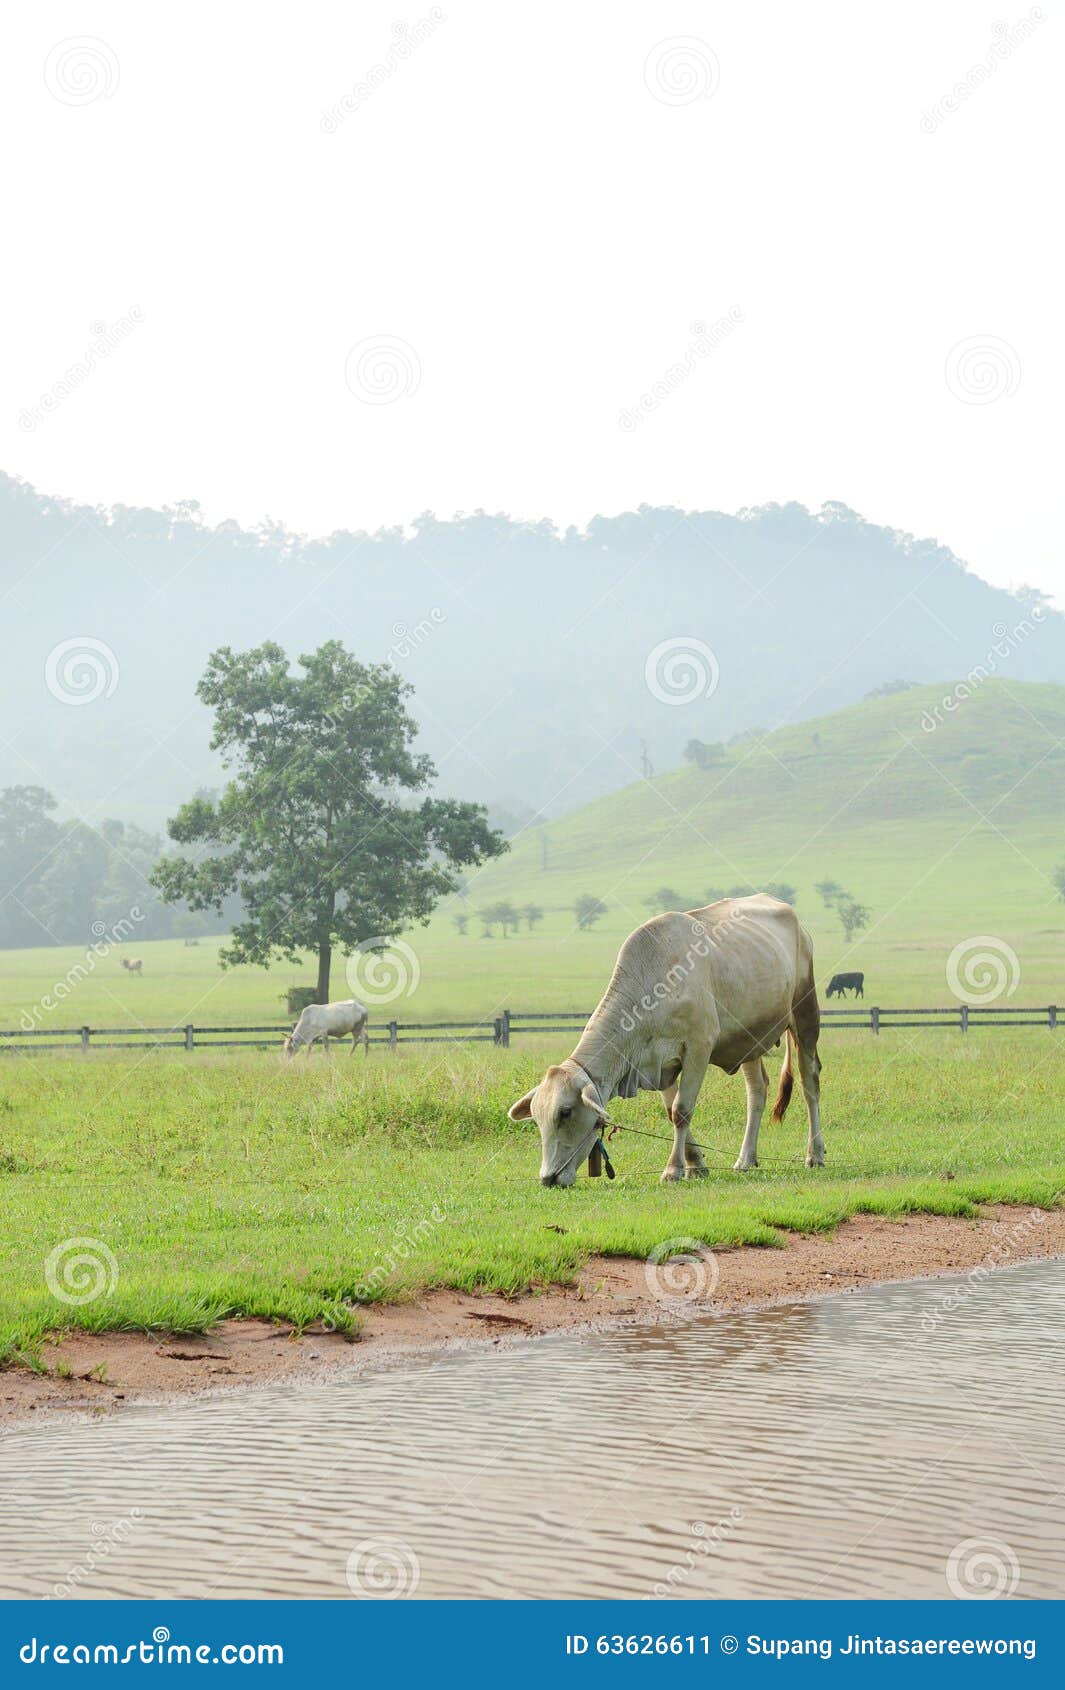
326 830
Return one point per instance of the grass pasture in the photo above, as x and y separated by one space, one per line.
222 1183
228 1184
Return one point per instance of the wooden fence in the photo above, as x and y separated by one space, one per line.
499 1030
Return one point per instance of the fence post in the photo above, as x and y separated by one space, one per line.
1052 1015
497 1030
504 1025
964 1017
393 1035
85 1038
874 1019
188 1035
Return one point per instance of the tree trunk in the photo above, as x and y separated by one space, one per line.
325 959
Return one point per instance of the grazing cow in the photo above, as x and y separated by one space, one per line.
327 1021
132 964
720 986
841 983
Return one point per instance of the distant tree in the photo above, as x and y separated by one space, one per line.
509 918
325 831
714 894
852 915
588 910
27 837
781 889
1059 880
488 917
460 923
189 926
533 914
887 689
739 891
702 754
829 890
664 899
68 889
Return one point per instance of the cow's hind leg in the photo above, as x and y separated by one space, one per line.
810 1074
807 1025
757 1082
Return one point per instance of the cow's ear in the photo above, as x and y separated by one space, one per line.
590 1096
521 1111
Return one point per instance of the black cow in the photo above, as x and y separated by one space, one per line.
841 983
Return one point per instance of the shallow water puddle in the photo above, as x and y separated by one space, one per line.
880 1444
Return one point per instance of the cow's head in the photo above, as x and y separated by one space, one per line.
289 1046
569 1112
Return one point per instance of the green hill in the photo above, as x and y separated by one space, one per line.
946 825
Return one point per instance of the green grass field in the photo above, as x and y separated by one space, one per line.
224 1183
227 1184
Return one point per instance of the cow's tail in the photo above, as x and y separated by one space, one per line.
787 1079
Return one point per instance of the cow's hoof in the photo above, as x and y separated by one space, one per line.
742 1167
815 1161
696 1173
670 1174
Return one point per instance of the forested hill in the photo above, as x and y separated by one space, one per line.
531 651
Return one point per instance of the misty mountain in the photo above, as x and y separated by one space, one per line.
549 667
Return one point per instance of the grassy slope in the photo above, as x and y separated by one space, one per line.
943 835
229 1184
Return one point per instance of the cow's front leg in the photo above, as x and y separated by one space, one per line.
681 1111
755 1079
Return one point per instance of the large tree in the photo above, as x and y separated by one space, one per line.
324 831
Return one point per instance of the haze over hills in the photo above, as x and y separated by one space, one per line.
528 648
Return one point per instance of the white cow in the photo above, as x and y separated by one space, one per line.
720 986
327 1021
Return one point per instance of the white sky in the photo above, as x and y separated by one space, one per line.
516 206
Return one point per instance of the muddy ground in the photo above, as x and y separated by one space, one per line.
101 1373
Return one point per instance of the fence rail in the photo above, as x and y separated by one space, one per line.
498 1030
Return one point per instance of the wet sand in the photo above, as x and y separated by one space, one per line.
100 1373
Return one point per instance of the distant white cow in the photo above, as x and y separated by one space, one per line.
327 1021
